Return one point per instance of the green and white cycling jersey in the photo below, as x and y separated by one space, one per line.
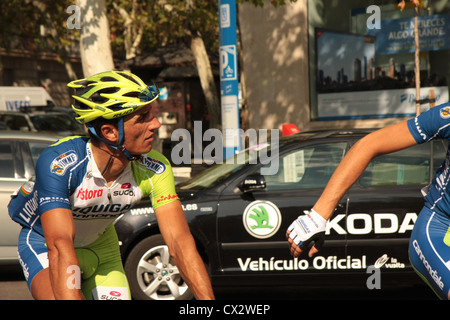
68 177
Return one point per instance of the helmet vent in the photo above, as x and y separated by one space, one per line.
84 83
129 78
133 94
108 79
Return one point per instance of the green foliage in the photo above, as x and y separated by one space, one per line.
165 22
40 25
260 3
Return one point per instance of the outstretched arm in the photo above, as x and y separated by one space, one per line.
383 141
175 231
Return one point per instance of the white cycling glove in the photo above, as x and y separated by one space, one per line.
308 228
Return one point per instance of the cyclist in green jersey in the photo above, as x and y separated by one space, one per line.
68 246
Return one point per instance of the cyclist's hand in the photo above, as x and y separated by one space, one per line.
304 230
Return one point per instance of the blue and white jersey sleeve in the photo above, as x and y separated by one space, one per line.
435 124
432 124
52 188
53 176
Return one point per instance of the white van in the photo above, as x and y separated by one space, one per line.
15 98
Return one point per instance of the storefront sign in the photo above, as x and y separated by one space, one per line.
397 36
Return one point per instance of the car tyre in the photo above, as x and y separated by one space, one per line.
151 273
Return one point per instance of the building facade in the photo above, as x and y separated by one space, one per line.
27 68
341 63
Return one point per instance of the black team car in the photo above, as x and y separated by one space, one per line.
239 216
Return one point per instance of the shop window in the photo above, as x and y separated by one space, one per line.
362 63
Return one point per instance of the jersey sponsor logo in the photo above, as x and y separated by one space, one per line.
261 219
153 165
433 273
125 190
102 211
115 293
29 209
110 293
64 161
445 113
86 194
124 193
419 129
25 268
165 198
47 200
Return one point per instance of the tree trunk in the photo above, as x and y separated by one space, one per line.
207 80
131 39
95 47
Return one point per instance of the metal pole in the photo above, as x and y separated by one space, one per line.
229 88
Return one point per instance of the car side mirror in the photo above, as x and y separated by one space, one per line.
253 182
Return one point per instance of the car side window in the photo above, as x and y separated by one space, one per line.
406 167
6 160
308 167
15 122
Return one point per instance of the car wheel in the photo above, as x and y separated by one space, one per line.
152 274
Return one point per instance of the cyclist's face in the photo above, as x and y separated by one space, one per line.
140 128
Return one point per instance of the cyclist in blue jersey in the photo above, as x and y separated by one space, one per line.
68 247
429 248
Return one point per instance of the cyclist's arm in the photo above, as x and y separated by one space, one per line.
175 231
59 233
383 141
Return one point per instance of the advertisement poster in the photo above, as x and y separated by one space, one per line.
397 36
351 83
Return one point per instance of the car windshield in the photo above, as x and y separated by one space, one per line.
57 122
220 172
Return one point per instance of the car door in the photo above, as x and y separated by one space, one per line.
17 162
252 225
384 205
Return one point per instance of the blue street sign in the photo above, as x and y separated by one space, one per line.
229 83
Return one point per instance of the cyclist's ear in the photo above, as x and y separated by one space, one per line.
110 133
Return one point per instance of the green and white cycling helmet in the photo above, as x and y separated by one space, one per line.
110 95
